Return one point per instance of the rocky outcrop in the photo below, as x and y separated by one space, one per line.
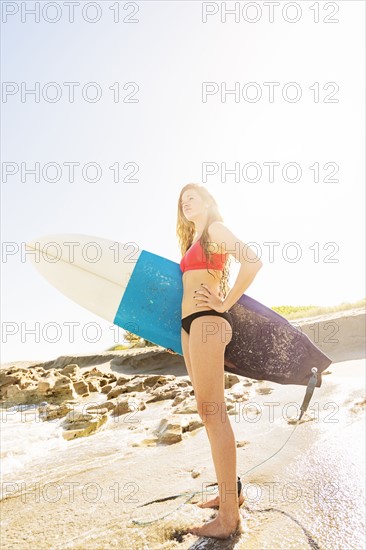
33 385
79 424
60 391
51 412
29 386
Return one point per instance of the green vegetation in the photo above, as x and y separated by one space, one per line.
296 312
133 341
118 347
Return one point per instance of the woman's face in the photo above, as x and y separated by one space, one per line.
192 204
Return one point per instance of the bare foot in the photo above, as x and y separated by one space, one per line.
218 528
215 502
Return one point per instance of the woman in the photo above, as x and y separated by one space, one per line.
206 243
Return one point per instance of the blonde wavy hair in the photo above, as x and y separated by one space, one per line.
185 231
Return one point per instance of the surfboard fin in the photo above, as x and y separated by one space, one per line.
309 391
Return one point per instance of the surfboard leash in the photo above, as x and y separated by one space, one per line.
308 395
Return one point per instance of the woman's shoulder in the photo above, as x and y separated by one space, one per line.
218 233
217 230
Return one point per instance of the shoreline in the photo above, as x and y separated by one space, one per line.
140 438
314 460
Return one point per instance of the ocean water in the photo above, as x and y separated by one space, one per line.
34 449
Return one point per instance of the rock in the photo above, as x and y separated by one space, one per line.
242 443
179 398
137 384
121 380
123 406
230 408
230 380
32 386
264 391
93 384
195 473
47 383
81 387
16 395
109 405
107 388
237 396
40 370
95 373
72 371
190 424
161 393
188 406
358 406
6 379
79 424
169 431
195 424
252 410
163 380
13 371
21 379
26 382
173 435
151 380
183 383
97 409
50 412
116 391
240 395
63 389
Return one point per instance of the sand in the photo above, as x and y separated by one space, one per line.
310 494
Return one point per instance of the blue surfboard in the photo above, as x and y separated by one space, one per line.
143 295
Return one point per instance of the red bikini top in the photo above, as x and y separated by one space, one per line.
195 258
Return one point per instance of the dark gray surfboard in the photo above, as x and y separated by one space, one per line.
264 346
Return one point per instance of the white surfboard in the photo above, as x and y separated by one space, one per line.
132 288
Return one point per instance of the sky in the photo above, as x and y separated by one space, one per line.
153 109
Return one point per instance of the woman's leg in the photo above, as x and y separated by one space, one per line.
208 338
213 502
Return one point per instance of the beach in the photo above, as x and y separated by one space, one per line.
79 481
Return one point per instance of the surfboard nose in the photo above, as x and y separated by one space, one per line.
31 245
89 270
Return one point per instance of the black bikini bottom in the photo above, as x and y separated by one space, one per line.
186 321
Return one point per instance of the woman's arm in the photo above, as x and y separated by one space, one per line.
250 262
